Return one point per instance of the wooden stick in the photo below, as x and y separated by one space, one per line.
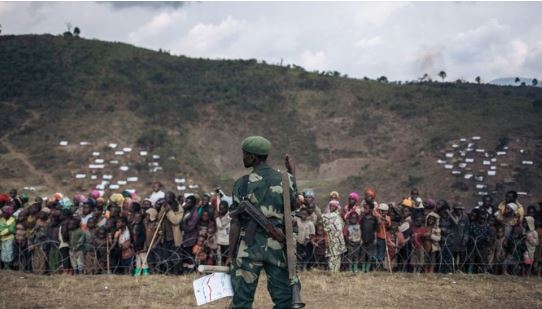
154 236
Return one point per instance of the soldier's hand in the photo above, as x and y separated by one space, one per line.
289 164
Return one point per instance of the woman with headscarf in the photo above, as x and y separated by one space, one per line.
7 235
369 197
352 206
333 226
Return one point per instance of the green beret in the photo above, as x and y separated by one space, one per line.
256 145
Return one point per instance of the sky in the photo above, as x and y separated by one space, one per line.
400 40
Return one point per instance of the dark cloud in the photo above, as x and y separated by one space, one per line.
119 5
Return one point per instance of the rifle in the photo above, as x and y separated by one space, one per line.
290 244
257 219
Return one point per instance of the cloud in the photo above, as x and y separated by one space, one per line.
399 40
119 5
533 60
429 61
211 40
156 25
314 60
378 13
369 42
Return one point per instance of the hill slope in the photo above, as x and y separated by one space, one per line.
346 134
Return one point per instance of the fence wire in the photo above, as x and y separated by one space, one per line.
473 256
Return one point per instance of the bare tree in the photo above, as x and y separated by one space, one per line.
69 26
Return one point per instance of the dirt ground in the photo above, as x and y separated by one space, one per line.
320 290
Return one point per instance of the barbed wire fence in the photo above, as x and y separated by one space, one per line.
474 256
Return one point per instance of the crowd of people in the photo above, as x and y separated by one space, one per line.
165 233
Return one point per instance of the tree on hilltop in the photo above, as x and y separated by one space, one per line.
69 32
76 31
517 80
478 79
534 82
442 75
383 79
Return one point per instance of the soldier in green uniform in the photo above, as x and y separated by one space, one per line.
252 252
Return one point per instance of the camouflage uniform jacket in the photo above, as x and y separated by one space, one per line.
264 191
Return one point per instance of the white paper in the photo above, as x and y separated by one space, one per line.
212 287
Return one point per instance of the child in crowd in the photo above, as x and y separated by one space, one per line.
86 214
515 248
319 242
352 235
395 241
433 242
198 250
499 254
480 236
53 254
20 248
305 229
123 240
384 221
139 237
100 243
531 242
211 245
64 242
78 244
419 234
204 221
369 228
223 221
38 244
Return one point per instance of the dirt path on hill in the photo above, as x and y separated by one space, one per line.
48 180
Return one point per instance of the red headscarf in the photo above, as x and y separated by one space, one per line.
4 198
370 192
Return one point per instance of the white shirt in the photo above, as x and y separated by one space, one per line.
155 196
223 230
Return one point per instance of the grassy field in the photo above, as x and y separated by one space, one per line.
320 290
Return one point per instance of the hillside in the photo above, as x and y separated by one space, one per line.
346 134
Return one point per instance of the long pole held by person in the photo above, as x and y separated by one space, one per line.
387 250
107 256
154 236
